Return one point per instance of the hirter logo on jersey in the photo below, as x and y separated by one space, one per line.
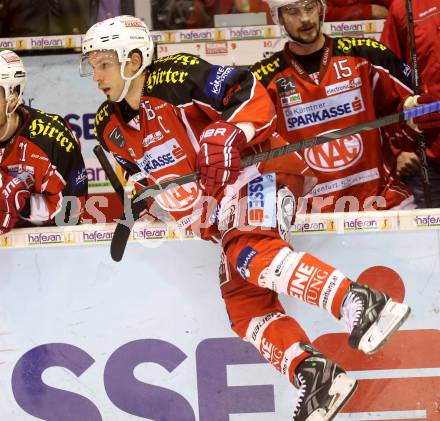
335 155
323 110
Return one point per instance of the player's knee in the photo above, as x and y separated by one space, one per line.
268 267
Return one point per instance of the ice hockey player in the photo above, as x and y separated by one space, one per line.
395 35
42 175
320 84
171 116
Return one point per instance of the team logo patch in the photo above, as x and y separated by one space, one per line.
287 91
285 86
335 155
117 138
80 177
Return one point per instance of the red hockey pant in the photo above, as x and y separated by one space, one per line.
252 304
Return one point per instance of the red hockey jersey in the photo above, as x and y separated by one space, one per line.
182 95
45 147
359 80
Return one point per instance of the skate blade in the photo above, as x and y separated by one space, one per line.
341 390
390 319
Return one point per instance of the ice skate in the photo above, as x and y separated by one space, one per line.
323 388
372 317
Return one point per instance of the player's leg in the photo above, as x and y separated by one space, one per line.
258 317
269 262
254 226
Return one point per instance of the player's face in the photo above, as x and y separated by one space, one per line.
3 119
106 71
301 20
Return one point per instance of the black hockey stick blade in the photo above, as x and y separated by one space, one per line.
136 206
138 203
122 233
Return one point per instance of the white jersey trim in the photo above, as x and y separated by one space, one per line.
410 91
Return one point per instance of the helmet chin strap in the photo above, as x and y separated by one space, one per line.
9 115
128 81
124 90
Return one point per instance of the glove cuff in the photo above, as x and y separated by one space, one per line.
240 140
236 136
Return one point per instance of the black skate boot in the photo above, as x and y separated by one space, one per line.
371 317
323 388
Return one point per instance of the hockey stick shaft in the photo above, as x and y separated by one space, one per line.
416 82
138 203
304 144
109 172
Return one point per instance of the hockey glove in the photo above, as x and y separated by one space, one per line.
14 193
219 157
428 124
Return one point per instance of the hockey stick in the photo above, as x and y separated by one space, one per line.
139 202
111 175
416 81
110 172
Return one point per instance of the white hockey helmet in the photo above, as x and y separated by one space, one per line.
12 77
275 5
121 34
